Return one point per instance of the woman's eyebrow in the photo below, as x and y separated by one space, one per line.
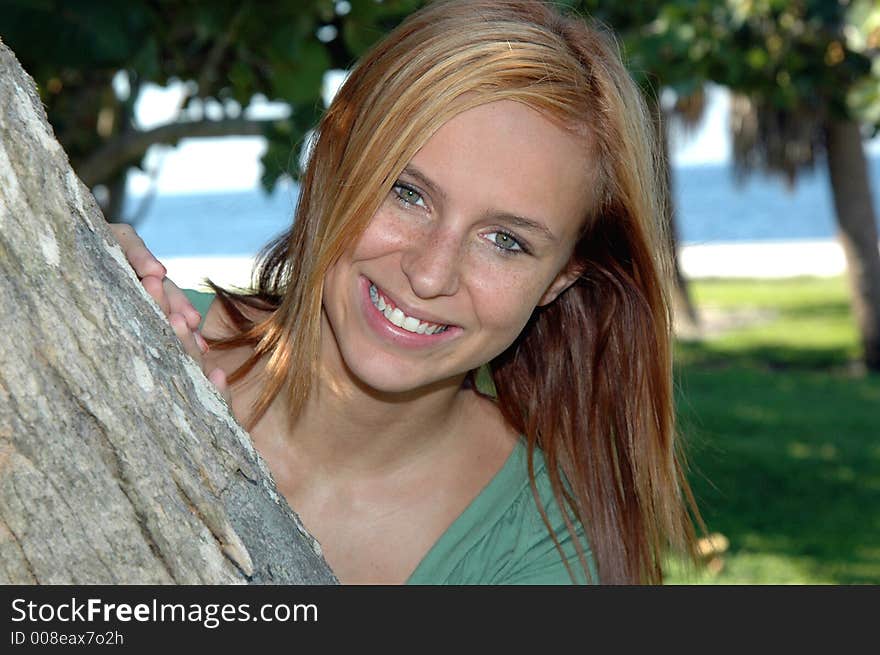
517 221
526 224
412 171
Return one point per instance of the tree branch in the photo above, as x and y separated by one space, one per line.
128 148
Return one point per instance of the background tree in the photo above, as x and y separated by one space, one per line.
92 59
665 46
807 75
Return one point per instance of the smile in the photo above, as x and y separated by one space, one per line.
395 316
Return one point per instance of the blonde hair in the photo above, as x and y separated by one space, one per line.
615 450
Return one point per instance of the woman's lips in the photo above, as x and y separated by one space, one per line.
399 334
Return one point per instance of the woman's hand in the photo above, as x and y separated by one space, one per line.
182 316
151 273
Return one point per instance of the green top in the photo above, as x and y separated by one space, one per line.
500 538
201 300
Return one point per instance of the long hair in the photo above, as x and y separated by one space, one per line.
601 350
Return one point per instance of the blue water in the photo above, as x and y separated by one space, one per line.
711 208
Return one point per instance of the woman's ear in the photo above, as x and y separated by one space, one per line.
561 282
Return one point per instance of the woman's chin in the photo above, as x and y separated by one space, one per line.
397 381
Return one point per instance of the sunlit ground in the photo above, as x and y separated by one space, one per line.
783 435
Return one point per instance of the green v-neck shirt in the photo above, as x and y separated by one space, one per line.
500 537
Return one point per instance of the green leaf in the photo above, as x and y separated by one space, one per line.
300 80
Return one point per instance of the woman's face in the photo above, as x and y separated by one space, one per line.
477 232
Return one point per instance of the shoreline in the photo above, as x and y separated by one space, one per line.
754 259
763 259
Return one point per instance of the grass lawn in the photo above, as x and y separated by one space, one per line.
783 436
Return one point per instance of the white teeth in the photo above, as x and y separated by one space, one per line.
398 318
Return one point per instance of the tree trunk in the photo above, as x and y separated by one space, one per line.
686 318
857 230
119 462
114 209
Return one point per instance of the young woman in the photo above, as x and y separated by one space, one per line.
456 363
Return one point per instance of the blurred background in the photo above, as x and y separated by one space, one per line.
189 121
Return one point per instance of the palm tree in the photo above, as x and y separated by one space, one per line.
794 109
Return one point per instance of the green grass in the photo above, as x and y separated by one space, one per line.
783 436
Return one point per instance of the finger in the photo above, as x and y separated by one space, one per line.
180 304
187 340
154 286
136 252
218 379
144 263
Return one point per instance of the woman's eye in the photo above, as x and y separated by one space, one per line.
504 241
408 196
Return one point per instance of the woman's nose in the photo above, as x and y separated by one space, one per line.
431 263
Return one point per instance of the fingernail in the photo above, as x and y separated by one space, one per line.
200 341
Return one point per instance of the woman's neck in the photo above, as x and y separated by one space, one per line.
354 430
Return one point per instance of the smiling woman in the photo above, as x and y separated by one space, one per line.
456 363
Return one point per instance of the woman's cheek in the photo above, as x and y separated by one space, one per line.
387 230
507 303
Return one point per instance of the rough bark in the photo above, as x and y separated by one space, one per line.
857 230
119 462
